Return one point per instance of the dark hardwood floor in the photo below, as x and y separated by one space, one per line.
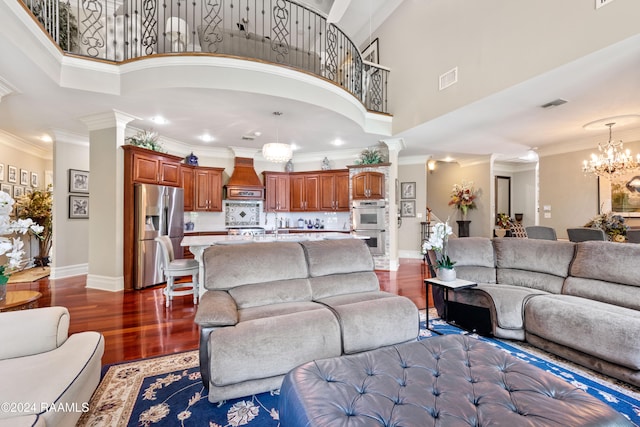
136 324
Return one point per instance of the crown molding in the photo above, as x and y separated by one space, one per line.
9 140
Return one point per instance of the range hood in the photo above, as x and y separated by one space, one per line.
244 183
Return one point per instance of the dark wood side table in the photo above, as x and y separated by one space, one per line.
20 300
453 285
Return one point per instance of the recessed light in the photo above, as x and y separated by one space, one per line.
46 138
159 120
207 138
448 159
294 147
257 133
337 142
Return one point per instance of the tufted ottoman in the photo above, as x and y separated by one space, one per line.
451 380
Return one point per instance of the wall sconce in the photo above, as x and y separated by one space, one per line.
431 165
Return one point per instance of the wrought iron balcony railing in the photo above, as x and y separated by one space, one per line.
275 31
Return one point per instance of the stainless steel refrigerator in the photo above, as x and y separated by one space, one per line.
159 210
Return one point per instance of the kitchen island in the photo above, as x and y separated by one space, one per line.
197 244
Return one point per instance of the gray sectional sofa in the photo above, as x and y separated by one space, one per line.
580 301
269 307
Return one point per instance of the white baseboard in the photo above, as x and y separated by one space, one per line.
105 283
409 254
68 271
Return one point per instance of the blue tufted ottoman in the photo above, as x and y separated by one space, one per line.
451 380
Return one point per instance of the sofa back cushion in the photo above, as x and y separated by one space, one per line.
230 266
344 283
474 259
533 263
326 257
607 272
277 292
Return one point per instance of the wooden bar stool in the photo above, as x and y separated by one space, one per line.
173 268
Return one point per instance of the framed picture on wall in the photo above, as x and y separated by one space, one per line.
12 174
408 208
408 190
34 179
6 188
370 54
78 181
622 196
24 177
18 191
1 171
78 207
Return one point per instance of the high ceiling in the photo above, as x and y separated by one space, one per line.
605 83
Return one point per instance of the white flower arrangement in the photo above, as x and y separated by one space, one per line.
438 243
12 246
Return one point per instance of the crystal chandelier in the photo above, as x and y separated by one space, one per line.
276 151
611 160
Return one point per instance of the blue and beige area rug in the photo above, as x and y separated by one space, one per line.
167 391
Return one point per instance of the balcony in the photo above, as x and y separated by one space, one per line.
279 32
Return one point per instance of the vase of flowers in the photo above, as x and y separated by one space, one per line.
463 198
11 246
37 206
613 226
438 244
503 223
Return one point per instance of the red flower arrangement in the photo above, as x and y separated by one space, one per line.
463 197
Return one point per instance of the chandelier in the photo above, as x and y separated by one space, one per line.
276 151
611 160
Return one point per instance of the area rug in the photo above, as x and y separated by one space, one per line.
168 391
30 275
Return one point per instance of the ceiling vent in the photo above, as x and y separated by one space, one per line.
449 78
600 3
554 103
248 137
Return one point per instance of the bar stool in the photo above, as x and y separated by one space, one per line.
173 268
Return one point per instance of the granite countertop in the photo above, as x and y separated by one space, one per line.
237 239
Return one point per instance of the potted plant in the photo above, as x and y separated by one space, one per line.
370 157
37 205
146 139
613 226
504 223
438 243
11 246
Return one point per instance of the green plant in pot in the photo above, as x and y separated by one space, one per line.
438 244
370 157
37 205
146 139
10 244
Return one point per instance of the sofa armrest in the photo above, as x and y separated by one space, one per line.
33 331
217 308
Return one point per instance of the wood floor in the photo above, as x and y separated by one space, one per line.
136 324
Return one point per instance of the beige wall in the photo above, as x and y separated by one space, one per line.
494 43
409 232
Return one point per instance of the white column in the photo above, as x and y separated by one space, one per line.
395 146
106 211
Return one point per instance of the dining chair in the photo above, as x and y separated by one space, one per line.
541 232
176 268
633 236
582 234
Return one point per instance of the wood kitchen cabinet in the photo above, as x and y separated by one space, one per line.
208 189
305 192
334 191
187 177
277 191
152 167
368 185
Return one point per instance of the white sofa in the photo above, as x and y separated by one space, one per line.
46 376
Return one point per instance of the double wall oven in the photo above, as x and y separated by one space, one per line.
368 218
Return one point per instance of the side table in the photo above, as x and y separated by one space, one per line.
20 300
453 285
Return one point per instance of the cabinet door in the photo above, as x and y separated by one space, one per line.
201 202
312 192
188 185
215 191
169 173
376 185
297 193
208 190
276 192
327 192
145 169
359 185
341 191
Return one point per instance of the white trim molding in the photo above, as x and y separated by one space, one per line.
105 283
68 271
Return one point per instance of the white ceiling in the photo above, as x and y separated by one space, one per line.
606 83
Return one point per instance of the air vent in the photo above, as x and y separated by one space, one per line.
554 103
449 78
248 137
600 3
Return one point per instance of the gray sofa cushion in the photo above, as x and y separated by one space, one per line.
228 266
474 257
607 261
533 263
271 292
271 310
216 308
327 257
347 283
602 330
272 346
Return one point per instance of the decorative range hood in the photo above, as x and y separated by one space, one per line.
244 183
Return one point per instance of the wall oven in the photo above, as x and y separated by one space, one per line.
368 214
376 240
